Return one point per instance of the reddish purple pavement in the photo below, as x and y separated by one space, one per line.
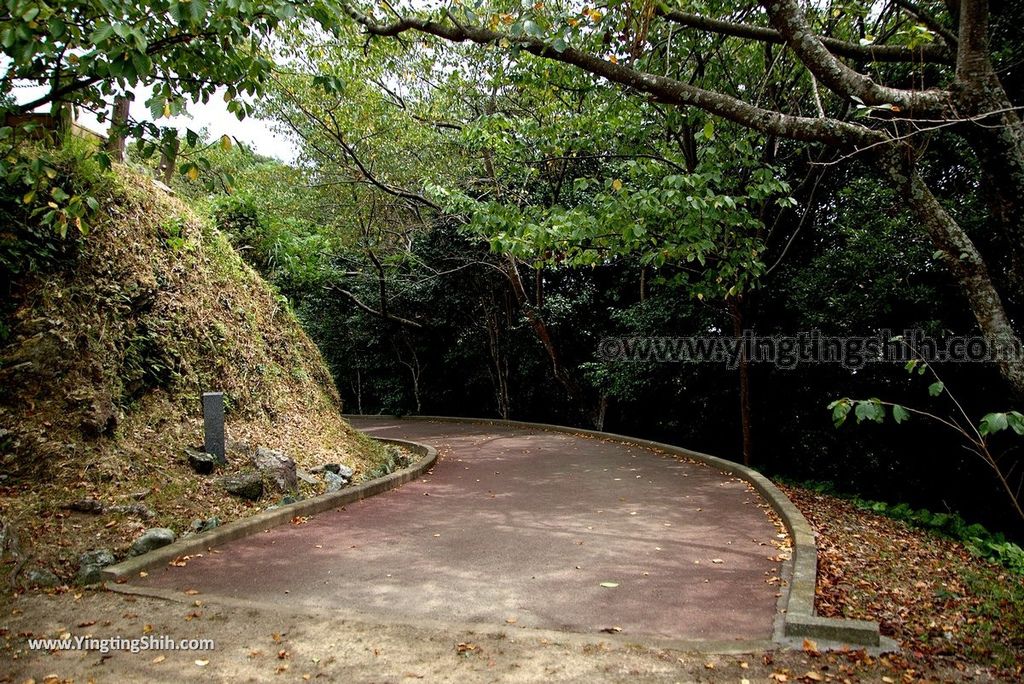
520 526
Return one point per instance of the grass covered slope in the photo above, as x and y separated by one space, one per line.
106 343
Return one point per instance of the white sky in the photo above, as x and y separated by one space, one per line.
214 116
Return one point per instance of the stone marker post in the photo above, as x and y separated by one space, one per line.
213 425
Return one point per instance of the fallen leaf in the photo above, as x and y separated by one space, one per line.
609 585
814 676
159 659
810 646
191 592
202 663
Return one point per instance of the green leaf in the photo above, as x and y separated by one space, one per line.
992 423
869 410
840 410
1016 421
899 414
709 130
101 34
935 389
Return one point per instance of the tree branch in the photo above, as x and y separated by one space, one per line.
386 316
929 21
788 18
869 53
830 131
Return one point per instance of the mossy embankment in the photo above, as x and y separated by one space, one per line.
107 341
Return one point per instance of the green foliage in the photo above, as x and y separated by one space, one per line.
995 422
864 410
866 267
395 459
45 193
977 539
50 182
93 49
171 230
90 51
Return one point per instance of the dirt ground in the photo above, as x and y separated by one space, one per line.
275 644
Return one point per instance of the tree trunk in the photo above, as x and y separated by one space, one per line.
743 369
499 374
995 132
118 121
168 159
359 391
540 328
961 256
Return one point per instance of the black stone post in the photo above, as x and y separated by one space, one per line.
213 425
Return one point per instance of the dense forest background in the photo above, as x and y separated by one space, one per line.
464 225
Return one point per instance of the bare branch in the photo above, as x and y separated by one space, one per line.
386 316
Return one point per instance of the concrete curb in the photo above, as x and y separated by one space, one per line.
267 519
799 621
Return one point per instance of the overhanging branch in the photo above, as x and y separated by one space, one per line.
830 131
870 53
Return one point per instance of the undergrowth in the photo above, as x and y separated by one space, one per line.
978 539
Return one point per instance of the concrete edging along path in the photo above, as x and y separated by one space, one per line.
279 516
799 619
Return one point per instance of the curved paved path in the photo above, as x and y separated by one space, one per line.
521 527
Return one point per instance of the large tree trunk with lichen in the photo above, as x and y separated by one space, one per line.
995 131
961 256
